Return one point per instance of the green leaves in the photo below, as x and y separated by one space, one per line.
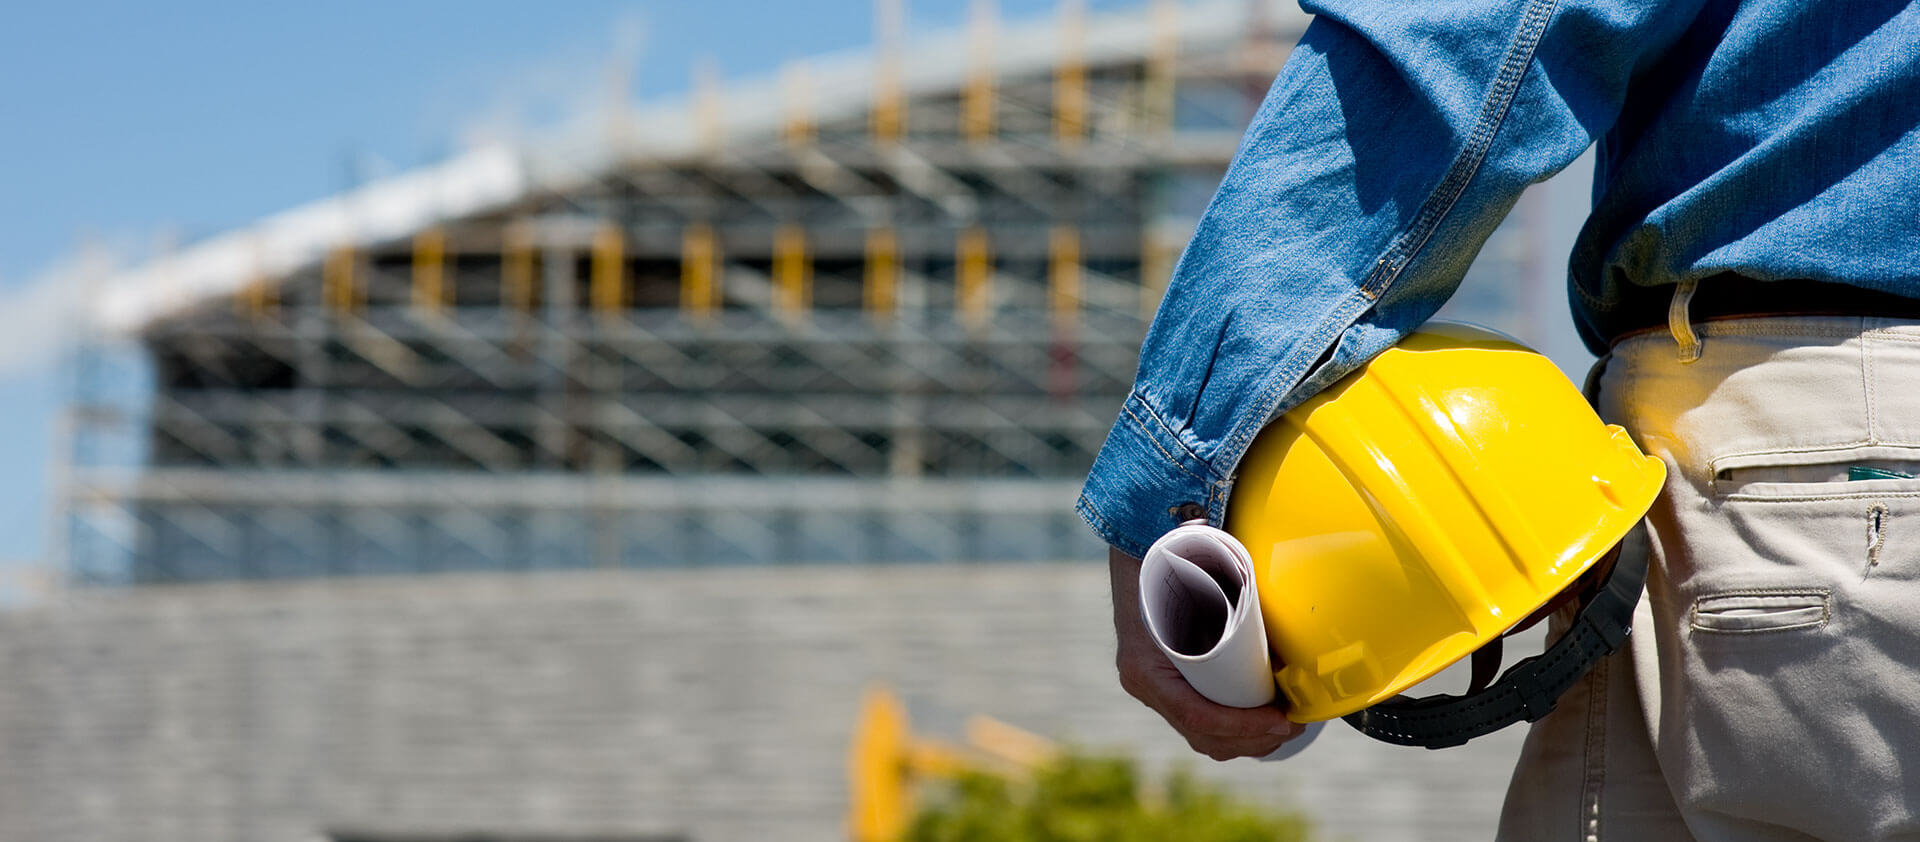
1081 797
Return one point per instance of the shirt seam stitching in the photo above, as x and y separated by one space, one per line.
1148 432
1493 114
1493 110
1271 396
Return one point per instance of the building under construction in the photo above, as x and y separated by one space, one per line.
872 310
878 308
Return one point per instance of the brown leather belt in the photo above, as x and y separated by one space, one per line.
1734 296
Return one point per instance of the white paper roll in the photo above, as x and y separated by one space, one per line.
1197 594
1196 590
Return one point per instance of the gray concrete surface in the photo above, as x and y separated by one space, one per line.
697 704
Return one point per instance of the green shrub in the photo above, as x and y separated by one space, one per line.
1083 797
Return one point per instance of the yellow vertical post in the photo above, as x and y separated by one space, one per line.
880 796
973 278
1159 88
260 296
607 282
619 86
1070 77
977 112
706 106
889 116
797 82
699 291
516 267
338 284
1063 275
1156 268
430 289
883 272
792 273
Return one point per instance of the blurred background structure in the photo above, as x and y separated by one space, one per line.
573 487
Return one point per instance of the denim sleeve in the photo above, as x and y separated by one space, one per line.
1393 142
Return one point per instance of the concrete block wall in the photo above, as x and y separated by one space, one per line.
693 704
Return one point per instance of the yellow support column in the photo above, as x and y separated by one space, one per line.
1070 78
706 106
1015 746
1156 268
699 289
258 299
977 112
607 283
973 278
881 802
1063 276
430 289
792 274
798 84
883 272
339 286
516 268
886 761
889 117
261 295
1158 92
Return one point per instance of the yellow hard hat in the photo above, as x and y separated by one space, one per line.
1418 510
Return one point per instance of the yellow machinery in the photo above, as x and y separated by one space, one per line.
886 759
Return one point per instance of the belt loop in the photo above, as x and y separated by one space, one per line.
1680 325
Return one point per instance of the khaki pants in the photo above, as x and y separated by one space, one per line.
1771 687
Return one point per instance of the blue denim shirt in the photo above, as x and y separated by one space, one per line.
1776 139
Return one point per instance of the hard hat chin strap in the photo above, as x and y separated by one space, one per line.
1529 689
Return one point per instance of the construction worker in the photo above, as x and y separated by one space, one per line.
1747 276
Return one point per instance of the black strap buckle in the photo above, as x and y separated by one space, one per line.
1529 689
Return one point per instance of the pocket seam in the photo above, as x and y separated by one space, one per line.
1826 610
1814 497
1800 456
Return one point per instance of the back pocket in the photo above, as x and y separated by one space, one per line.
1858 471
1757 611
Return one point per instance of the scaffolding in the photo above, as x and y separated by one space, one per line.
897 333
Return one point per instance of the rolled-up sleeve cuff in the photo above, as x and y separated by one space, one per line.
1145 482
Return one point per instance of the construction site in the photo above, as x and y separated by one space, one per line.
574 490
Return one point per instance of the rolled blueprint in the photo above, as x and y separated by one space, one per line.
1197 594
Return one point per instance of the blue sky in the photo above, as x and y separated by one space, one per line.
141 123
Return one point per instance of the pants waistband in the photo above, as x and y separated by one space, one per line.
1731 295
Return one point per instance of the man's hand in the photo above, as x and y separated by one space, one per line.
1217 731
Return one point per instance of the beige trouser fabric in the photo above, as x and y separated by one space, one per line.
1771 687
